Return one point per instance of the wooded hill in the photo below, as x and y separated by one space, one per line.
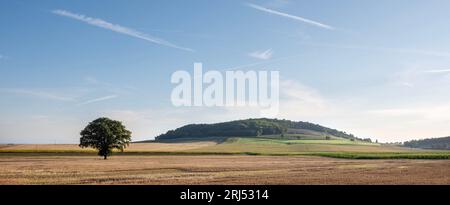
253 128
432 143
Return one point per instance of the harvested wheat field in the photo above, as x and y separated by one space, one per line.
218 170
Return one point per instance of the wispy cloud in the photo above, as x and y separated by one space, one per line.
40 94
54 96
431 112
276 3
263 55
286 15
382 49
437 71
420 76
292 90
266 62
99 99
117 28
406 84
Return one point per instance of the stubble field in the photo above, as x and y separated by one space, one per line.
219 170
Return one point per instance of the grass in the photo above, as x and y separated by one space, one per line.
337 148
299 137
266 140
345 155
393 155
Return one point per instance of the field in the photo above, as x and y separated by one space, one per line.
134 147
234 161
337 148
218 170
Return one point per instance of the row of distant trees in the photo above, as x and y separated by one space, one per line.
315 127
433 143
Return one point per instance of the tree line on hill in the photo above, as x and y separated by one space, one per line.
249 128
225 129
432 143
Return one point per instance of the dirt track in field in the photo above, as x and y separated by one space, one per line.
218 170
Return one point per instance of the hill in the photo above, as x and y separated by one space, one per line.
263 127
442 143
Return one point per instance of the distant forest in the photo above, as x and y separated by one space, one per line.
433 143
247 128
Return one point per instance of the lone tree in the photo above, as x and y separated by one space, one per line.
105 135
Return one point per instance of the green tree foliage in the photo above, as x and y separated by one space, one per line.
311 126
105 135
247 128
367 140
433 143
252 127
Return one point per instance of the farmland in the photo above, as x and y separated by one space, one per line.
236 160
218 170
337 148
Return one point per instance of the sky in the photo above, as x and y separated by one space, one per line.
378 69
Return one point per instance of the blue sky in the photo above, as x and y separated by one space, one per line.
378 69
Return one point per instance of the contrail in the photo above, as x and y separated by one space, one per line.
298 18
438 71
99 99
117 28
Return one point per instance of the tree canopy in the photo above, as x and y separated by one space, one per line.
105 135
433 143
247 128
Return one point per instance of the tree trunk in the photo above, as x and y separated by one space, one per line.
104 157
